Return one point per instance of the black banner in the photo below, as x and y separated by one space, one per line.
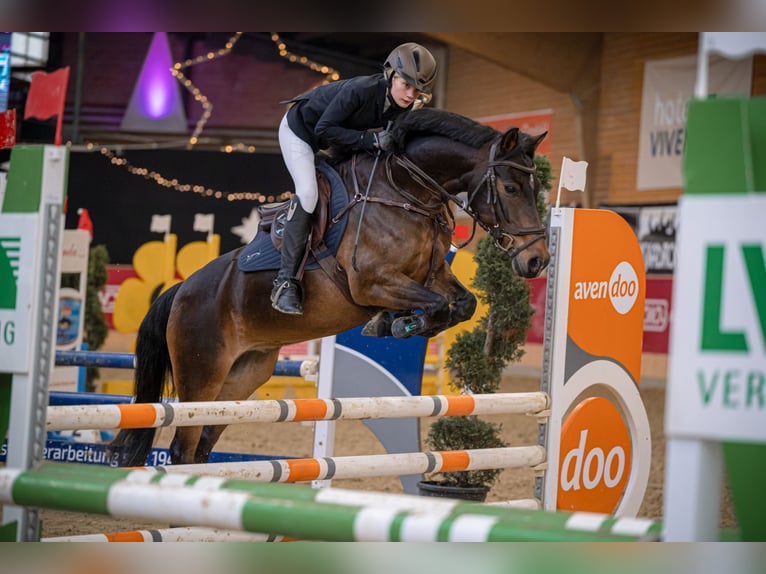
656 227
121 204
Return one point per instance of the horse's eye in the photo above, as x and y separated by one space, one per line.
511 188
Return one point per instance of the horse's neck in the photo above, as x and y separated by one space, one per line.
442 159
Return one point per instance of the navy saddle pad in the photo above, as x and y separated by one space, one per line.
261 255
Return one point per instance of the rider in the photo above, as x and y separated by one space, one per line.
340 114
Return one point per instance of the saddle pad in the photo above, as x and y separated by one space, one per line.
261 255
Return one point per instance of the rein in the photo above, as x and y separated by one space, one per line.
490 177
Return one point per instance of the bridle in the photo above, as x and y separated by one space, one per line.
498 210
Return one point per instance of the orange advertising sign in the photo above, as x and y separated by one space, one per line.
595 457
607 289
597 296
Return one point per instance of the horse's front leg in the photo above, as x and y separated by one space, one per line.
462 304
414 309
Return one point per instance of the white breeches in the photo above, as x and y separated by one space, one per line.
299 159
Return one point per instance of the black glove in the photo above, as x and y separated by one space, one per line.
384 141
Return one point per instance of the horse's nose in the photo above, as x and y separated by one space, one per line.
535 265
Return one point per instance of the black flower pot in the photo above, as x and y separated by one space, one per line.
476 493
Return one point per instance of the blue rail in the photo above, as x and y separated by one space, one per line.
128 361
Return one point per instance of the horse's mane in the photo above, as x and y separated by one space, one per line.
427 122
430 121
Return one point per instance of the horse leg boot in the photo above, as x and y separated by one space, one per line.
287 293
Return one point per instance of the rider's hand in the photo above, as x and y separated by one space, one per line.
384 141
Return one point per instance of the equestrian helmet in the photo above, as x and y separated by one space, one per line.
414 63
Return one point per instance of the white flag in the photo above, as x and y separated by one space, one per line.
733 45
160 224
573 174
204 222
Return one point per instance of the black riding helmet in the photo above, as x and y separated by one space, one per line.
414 63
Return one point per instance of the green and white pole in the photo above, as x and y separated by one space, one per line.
302 512
31 228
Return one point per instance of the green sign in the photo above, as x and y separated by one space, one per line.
17 288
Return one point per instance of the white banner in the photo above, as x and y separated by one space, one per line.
717 368
668 85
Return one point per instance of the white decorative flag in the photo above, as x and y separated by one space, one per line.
573 174
204 222
734 45
160 224
572 177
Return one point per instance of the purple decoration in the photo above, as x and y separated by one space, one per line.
156 85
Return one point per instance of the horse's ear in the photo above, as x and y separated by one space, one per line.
510 140
538 140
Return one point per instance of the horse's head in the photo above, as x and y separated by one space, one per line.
496 170
503 199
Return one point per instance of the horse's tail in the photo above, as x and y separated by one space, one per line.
131 446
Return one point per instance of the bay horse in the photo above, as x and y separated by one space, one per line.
217 335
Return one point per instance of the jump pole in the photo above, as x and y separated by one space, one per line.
301 512
316 469
303 369
175 414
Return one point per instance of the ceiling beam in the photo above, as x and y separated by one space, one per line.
565 62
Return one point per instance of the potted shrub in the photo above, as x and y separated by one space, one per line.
477 358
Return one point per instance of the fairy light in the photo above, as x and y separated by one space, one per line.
330 74
173 183
207 106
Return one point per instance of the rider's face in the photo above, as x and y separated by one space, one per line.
403 92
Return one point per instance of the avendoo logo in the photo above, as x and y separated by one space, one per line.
621 289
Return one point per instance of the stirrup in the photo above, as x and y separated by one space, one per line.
287 307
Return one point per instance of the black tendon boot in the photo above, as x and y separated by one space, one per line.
287 293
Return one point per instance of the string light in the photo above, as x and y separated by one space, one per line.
207 106
207 109
173 183
330 74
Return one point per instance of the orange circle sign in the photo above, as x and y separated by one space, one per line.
595 457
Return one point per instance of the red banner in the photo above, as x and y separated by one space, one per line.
7 128
47 94
533 123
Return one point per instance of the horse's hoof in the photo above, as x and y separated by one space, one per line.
404 327
377 328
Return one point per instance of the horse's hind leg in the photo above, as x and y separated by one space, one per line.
250 371
199 375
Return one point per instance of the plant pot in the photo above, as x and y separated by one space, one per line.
477 493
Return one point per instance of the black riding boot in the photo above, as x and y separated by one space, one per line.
287 293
